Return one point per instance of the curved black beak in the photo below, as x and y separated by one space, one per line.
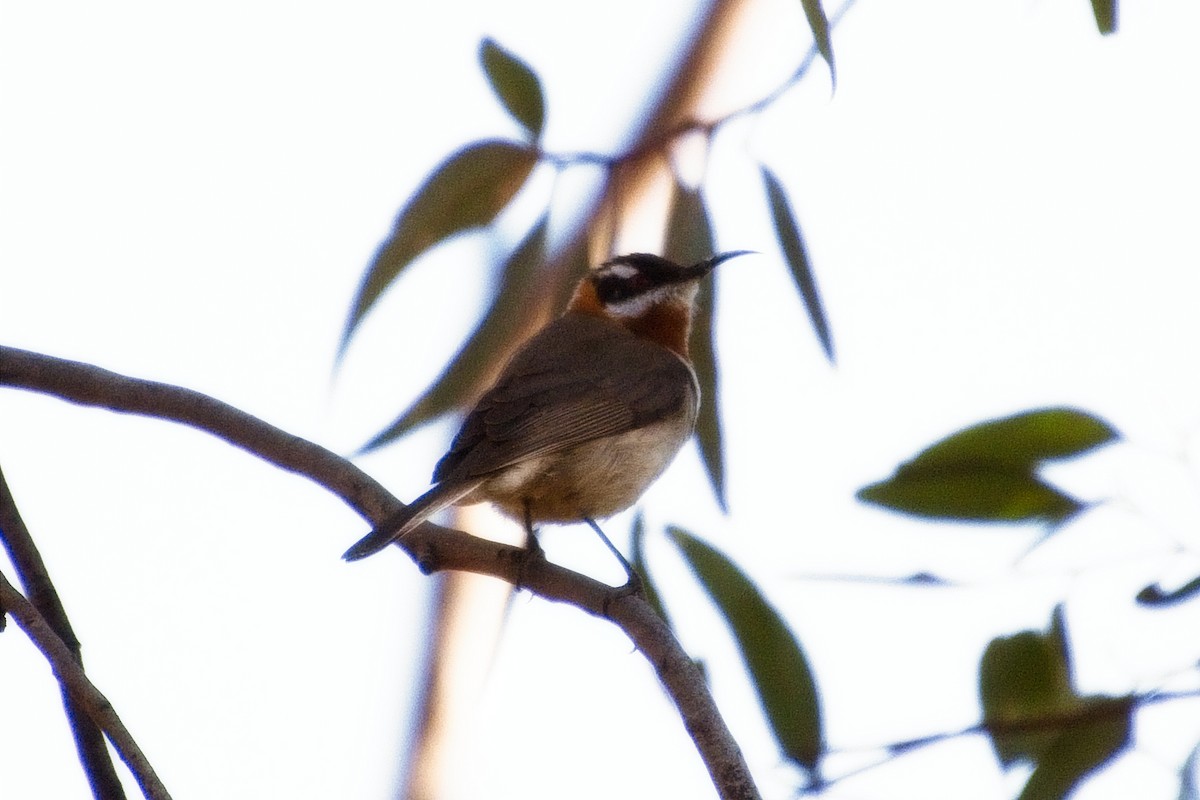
705 267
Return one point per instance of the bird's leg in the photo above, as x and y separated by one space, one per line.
531 542
533 548
633 583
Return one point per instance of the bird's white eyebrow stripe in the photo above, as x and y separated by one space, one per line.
620 269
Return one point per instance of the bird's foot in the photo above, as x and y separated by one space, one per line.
633 586
532 554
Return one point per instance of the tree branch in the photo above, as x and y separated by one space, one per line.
35 580
660 133
73 680
433 547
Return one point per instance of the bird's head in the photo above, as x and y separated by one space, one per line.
650 295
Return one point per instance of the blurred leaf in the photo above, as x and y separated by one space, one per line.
1080 749
1156 596
976 494
709 430
638 559
1020 441
819 24
1106 15
467 190
515 84
777 665
1026 676
1188 790
496 333
1057 635
689 240
791 241
986 472
568 269
1032 712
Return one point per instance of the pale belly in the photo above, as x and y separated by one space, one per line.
595 479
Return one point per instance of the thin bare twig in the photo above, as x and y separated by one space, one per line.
655 139
1059 721
35 580
71 676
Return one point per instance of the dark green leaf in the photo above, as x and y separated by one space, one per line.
1080 748
819 24
466 191
1058 637
709 431
791 241
777 665
987 472
515 84
638 560
689 240
1106 15
1156 596
506 319
980 494
1021 677
1019 442
1032 711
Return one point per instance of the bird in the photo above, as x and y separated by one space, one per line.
586 414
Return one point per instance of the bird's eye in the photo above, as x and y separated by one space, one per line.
616 288
638 283
613 289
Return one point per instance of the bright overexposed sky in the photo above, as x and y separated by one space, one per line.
1001 206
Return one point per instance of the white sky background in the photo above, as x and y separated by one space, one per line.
1001 206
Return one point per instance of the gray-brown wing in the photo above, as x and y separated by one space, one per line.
580 378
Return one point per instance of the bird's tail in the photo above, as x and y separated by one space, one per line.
408 518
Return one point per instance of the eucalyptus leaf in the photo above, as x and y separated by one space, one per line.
496 334
637 558
1022 677
516 85
465 191
819 24
778 668
1080 749
987 472
1033 713
791 241
972 493
1105 12
689 240
1155 595
1021 441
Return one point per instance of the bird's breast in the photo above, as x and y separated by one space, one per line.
595 479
